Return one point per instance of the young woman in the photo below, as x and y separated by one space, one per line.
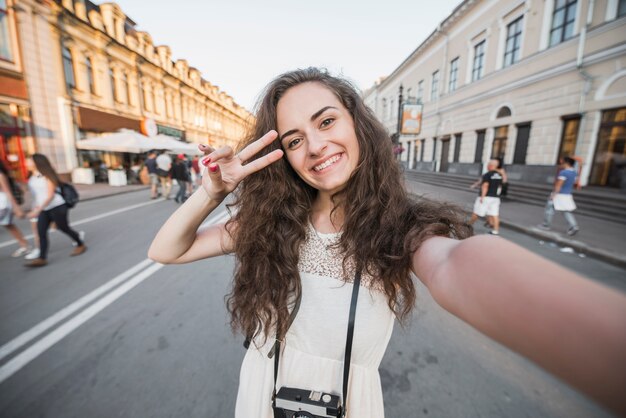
8 208
320 197
51 208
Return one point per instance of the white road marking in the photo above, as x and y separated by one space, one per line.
91 219
51 321
32 352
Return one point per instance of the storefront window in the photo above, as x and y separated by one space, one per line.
5 39
499 142
569 137
16 141
609 163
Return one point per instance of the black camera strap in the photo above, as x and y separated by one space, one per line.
348 354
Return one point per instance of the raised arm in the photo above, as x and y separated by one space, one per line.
569 325
179 240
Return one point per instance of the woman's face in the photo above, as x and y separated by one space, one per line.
317 134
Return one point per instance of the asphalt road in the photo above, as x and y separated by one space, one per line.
111 333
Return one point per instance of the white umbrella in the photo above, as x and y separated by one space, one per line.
127 140
178 147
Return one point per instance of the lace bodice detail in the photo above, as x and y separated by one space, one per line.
320 255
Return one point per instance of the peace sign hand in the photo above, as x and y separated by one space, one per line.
226 169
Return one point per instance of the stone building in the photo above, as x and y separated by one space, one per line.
16 139
525 80
89 71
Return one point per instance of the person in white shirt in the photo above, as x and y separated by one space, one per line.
164 167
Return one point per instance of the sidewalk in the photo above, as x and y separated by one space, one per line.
597 238
97 190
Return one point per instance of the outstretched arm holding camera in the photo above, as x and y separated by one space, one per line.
569 325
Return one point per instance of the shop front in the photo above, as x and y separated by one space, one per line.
609 162
16 140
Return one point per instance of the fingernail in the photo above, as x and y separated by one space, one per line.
213 168
206 161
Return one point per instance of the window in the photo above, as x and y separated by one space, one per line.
608 163
480 144
5 39
569 137
68 69
384 108
563 21
392 109
521 143
454 71
499 142
434 90
422 143
113 87
420 91
92 87
479 60
457 147
621 8
126 87
513 41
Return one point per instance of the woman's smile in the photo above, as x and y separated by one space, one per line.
326 165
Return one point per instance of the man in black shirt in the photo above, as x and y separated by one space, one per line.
488 200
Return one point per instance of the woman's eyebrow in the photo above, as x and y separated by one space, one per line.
313 117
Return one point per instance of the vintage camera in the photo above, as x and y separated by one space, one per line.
300 403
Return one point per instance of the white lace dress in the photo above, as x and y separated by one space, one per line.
314 346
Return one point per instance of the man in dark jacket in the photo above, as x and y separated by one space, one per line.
180 173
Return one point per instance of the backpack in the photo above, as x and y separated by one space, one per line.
69 194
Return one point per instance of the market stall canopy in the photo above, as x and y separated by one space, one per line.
130 141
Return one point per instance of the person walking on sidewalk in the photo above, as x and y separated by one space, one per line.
561 198
51 209
180 173
488 201
9 207
164 171
151 166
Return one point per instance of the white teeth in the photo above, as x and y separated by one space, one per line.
326 163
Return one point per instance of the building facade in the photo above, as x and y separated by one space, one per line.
527 81
90 72
16 139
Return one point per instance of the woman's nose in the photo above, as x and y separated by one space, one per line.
317 144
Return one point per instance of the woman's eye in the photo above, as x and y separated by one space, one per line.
294 142
327 122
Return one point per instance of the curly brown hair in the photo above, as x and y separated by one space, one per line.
381 230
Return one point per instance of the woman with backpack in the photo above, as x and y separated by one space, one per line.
52 208
9 207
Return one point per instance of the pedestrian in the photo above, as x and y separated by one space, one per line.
195 171
164 167
151 166
319 205
180 173
488 201
561 198
9 207
504 190
52 209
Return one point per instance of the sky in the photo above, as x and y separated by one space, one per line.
241 45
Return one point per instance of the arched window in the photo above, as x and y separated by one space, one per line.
503 112
92 87
68 68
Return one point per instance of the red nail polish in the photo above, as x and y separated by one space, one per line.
213 168
206 161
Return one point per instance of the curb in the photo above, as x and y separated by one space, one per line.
597 253
117 192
